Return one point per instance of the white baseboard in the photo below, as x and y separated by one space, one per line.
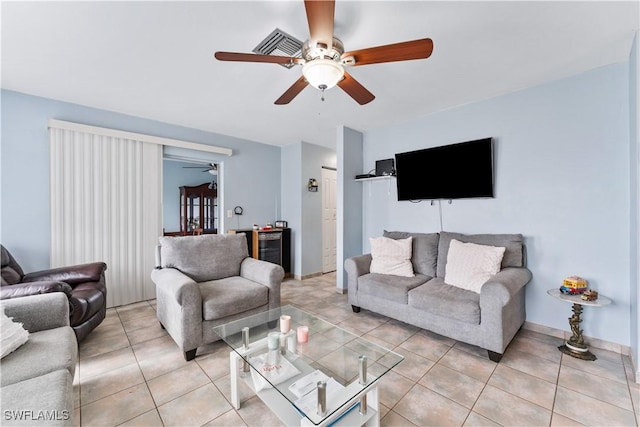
307 276
565 335
593 342
635 367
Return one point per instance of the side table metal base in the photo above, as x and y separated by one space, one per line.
575 345
584 355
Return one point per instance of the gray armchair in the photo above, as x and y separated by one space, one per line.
204 281
37 378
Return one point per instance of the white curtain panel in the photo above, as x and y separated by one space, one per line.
106 205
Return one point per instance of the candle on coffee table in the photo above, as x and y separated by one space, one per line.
285 323
273 340
303 334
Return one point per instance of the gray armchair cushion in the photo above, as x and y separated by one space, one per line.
447 301
206 257
231 295
52 392
392 288
45 351
39 312
425 250
513 255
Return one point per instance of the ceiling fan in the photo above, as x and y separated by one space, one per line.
324 59
212 169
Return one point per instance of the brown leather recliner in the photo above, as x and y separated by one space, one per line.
83 284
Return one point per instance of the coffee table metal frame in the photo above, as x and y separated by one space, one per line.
345 407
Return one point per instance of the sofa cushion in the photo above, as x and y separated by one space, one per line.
513 244
13 334
424 252
46 400
436 297
391 256
207 257
392 288
469 265
231 295
46 351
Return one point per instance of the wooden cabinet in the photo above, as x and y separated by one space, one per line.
270 245
198 209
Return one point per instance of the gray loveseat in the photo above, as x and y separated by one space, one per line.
489 319
37 378
204 281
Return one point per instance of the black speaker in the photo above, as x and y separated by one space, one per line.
385 167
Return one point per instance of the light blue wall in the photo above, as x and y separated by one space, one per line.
291 158
313 158
349 147
252 174
561 179
301 208
634 100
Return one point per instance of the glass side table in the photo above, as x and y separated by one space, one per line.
575 346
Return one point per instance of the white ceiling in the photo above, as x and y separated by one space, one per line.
155 59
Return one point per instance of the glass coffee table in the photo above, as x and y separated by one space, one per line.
307 370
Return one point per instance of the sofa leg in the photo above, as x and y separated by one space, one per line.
161 325
494 357
355 309
190 355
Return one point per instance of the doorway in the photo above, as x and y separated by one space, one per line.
191 172
329 219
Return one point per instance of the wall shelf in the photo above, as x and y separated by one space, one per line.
376 178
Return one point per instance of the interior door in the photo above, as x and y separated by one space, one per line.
329 220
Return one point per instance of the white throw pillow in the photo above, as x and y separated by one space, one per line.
391 256
470 265
13 334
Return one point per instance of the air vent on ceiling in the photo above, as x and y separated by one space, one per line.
279 43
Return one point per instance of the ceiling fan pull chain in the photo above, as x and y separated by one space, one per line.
322 89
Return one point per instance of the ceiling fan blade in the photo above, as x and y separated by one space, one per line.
415 49
254 57
292 92
320 15
355 90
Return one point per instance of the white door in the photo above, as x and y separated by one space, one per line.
328 188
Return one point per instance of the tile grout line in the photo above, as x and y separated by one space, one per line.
320 287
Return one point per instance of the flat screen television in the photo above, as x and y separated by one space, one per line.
456 171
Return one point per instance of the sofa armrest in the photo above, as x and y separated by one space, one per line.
172 282
39 312
265 273
505 284
179 306
358 265
355 267
34 288
73 274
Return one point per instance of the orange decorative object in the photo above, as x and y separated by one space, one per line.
573 285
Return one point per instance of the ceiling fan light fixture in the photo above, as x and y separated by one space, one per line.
322 73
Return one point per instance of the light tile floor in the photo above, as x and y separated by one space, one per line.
131 372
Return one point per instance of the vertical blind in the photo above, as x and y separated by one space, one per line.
106 205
